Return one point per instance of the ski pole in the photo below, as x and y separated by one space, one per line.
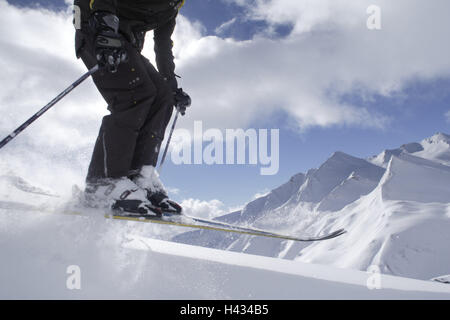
163 159
48 106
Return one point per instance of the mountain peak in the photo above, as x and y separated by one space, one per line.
342 157
411 147
439 137
434 147
340 154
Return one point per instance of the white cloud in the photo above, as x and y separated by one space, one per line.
233 83
224 26
204 209
173 191
37 63
261 194
330 53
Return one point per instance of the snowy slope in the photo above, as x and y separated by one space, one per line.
397 215
436 148
395 206
335 174
118 260
416 179
16 192
388 229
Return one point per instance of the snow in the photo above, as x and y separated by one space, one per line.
442 279
436 148
396 213
332 173
407 175
118 259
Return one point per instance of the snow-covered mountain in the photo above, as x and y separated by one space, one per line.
434 148
395 207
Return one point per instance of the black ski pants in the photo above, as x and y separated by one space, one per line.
140 102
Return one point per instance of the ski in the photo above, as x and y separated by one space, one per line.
265 232
178 220
182 220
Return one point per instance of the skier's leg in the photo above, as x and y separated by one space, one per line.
130 93
149 143
152 133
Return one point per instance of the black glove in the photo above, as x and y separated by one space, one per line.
109 45
182 100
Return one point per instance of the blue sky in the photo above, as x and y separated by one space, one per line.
211 13
412 114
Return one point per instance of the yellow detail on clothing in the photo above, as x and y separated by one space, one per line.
91 4
181 4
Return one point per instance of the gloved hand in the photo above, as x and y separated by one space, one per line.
182 100
109 45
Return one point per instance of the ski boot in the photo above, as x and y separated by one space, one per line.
148 179
121 195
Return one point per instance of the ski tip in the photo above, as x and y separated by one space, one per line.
336 233
340 231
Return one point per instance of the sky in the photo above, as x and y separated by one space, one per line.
309 68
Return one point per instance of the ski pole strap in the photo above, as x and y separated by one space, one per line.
6 140
163 159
